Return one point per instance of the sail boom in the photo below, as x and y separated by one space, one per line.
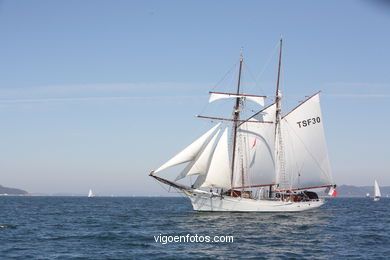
308 188
255 186
170 183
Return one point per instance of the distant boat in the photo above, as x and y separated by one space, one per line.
368 195
90 194
377 192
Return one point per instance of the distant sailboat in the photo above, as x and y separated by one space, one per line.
367 195
377 192
90 194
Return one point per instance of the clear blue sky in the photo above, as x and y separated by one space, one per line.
95 94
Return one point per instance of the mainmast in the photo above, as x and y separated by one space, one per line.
278 134
236 118
277 94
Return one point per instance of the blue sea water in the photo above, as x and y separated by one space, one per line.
125 228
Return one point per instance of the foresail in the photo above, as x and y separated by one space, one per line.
219 172
306 161
190 152
201 163
257 148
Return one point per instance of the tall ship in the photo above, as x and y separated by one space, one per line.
266 162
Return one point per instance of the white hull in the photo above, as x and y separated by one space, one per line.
377 198
206 201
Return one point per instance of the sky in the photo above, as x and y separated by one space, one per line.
96 94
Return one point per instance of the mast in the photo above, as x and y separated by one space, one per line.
277 96
278 133
236 117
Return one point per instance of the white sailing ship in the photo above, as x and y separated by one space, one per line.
377 191
90 194
270 164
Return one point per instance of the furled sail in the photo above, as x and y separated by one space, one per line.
306 161
377 190
190 152
217 95
258 143
219 172
201 163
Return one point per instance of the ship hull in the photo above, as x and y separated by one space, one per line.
207 201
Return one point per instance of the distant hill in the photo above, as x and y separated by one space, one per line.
342 191
11 191
360 191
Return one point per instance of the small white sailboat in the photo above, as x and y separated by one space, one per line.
377 191
367 195
270 164
90 194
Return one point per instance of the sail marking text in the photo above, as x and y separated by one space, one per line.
308 122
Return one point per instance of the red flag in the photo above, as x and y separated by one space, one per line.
254 143
332 192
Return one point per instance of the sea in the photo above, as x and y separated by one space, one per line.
168 228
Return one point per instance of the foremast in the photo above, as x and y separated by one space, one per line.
236 117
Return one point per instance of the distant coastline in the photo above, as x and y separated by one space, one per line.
5 191
348 191
351 191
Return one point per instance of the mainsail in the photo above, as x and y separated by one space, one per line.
258 144
306 161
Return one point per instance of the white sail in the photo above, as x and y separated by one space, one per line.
219 172
190 152
201 163
90 194
306 158
377 190
258 149
216 96
266 150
